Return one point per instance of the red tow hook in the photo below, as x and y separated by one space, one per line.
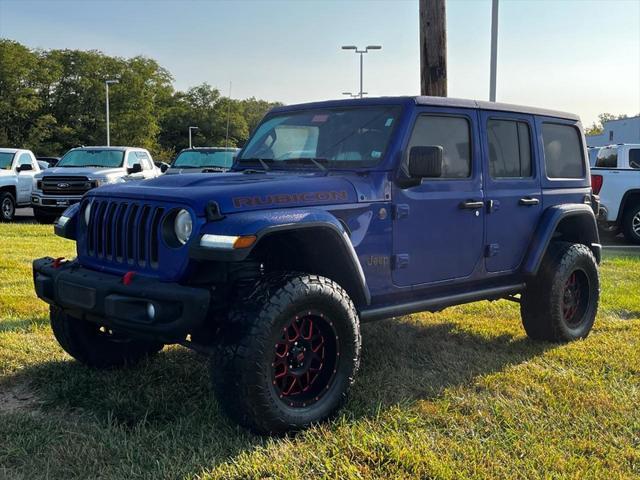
57 262
127 278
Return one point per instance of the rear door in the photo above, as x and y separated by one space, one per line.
512 188
438 226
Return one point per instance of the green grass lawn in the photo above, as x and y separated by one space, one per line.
459 394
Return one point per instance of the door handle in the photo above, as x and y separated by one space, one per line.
528 202
472 205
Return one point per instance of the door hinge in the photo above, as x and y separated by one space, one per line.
400 210
399 261
492 250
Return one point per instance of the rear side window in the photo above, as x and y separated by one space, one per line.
562 151
509 149
607 158
450 133
634 158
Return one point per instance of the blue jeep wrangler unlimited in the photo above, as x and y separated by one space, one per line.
335 213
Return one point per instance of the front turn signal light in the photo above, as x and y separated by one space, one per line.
244 242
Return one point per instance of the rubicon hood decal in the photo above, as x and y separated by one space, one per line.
287 198
237 192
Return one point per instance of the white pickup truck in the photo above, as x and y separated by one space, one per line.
17 168
616 179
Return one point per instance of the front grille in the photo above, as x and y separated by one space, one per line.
125 232
66 185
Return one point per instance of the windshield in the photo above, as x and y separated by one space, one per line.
204 158
5 160
345 137
607 157
92 158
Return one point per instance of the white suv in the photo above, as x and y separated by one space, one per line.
17 168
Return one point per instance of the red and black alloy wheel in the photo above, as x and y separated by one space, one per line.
305 359
575 298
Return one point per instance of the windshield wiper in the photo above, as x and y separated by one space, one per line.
259 160
316 161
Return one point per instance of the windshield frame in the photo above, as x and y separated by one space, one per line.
70 152
396 110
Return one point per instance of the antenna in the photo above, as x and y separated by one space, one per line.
226 141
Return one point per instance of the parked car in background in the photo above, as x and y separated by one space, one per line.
82 169
203 159
616 179
51 161
17 170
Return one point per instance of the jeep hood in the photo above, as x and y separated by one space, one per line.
238 192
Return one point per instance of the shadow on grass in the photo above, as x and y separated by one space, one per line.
168 405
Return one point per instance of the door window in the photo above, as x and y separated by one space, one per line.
509 149
634 158
133 159
450 133
562 151
25 159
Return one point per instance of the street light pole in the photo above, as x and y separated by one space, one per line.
361 52
106 85
190 143
353 95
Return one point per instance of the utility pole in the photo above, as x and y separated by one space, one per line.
433 48
494 50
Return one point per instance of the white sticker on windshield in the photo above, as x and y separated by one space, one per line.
376 154
388 122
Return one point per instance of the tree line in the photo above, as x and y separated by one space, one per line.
53 100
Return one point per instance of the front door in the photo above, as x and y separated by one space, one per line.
512 188
25 177
439 224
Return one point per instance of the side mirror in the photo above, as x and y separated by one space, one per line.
135 168
425 162
164 167
25 167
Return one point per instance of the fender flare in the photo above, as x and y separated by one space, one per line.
548 226
278 221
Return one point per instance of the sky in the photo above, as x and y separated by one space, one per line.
581 56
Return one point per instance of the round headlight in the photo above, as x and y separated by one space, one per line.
183 226
87 213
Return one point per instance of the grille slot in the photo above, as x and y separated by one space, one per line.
124 232
65 185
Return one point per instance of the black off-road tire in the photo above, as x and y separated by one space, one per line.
561 303
631 224
44 217
89 344
247 368
7 206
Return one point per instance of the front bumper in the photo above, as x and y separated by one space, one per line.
57 202
108 300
